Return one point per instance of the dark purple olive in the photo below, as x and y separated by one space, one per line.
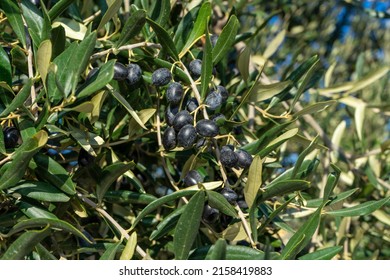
181 119
228 157
223 92
161 77
134 74
170 114
207 128
214 100
92 73
174 93
244 158
210 215
186 136
192 104
193 177
120 72
195 68
230 195
11 137
169 139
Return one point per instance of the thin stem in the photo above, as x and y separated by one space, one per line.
126 47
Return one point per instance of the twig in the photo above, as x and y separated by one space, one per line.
126 47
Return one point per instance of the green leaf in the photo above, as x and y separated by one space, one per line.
187 227
226 39
186 23
33 211
302 237
294 77
262 92
368 79
69 64
110 13
5 68
314 203
129 250
256 146
315 108
302 157
331 182
41 191
283 187
322 254
362 209
273 46
35 22
25 243
219 251
278 142
127 106
52 172
243 63
19 99
199 28
109 175
161 11
14 17
54 224
164 39
110 253
97 81
2 145
21 158
132 27
59 8
43 59
129 197
254 181
233 252
207 65
218 201
168 224
161 201
144 115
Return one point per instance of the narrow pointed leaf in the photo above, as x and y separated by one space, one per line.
161 201
97 81
14 17
111 251
226 39
165 39
198 29
132 27
19 99
41 191
254 181
207 64
188 226
218 201
362 209
5 68
21 159
302 237
168 224
219 251
110 13
25 243
322 254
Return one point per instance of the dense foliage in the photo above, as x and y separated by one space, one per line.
194 130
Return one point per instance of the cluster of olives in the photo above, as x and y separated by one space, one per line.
132 73
11 137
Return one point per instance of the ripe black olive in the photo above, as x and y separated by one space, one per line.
228 157
120 71
174 93
244 158
186 136
193 177
207 128
134 74
161 77
210 215
195 68
181 119
169 139
11 137
230 195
